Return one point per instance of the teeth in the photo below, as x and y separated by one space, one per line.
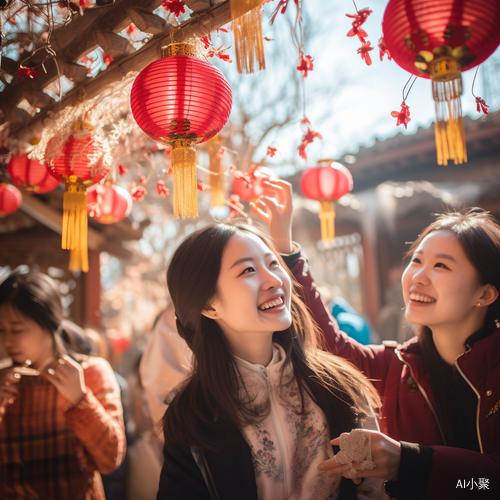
421 298
271 303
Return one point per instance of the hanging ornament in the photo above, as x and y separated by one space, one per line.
216 153
326 183
31 175
80 164
180 101
108 203
247 29
250 185
440 40
10 199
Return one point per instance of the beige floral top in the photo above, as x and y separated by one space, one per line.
286 446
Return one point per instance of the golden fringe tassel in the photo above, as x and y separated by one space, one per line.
327 218
79 260
248 41
183 160
74 226
449 130
217 189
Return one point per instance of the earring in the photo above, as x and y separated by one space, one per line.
479 303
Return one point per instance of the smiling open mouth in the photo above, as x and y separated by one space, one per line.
424 299
270 304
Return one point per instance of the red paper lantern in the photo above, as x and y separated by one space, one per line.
326 183
80 164
32 175
10 199
180 101
439 40
109 203
251 185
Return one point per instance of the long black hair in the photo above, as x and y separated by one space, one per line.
209 400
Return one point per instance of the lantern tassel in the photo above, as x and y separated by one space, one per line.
79 260
74 226
327 219
217 191
449 130
247 29
183 159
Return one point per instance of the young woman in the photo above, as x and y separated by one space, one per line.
442 388
62 424
257 414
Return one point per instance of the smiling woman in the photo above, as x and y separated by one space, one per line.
257 414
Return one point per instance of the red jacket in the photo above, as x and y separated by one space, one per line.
401 376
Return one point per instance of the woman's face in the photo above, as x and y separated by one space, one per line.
254 291
440 285
23 338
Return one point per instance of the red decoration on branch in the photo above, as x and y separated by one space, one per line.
326 183
271 151
174 6
10 199
403 116
24 72
138 191
281 7
481 105
235 201
32 175
107 59
359 19
383 49
162 189
122 169
305 63
308 138
250 185
108 203
364 51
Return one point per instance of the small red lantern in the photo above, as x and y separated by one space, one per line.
10 199
80 164
326 183
180 101
439 40
32 175
250 185
108 203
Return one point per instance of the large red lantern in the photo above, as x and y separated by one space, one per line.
439 40
10 199
108 203
326 183
250 185
80 164
180 101
32 175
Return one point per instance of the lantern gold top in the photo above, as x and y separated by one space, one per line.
446 68
179 49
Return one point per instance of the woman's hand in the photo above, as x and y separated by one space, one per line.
8 390
277 212
386 455
68 378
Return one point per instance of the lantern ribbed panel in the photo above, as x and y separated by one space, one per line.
329 182
115 205
10 199
82 158
181 97
32 175
476 26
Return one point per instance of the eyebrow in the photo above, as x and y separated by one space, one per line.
440 255
248 259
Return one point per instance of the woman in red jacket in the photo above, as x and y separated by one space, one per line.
60 412
441 389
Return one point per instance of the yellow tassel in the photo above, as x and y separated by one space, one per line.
74 227
327 218
183 158
449 130
247 29
79 260
217 189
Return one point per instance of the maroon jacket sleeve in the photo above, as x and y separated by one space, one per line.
372 360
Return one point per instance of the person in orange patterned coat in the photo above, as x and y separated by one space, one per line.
61 418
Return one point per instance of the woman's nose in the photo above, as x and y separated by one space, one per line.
271 280
421 276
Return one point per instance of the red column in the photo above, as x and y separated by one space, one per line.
92 292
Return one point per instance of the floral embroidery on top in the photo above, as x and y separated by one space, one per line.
264 462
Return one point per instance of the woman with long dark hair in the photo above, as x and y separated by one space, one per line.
440 389
60 411
257 413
